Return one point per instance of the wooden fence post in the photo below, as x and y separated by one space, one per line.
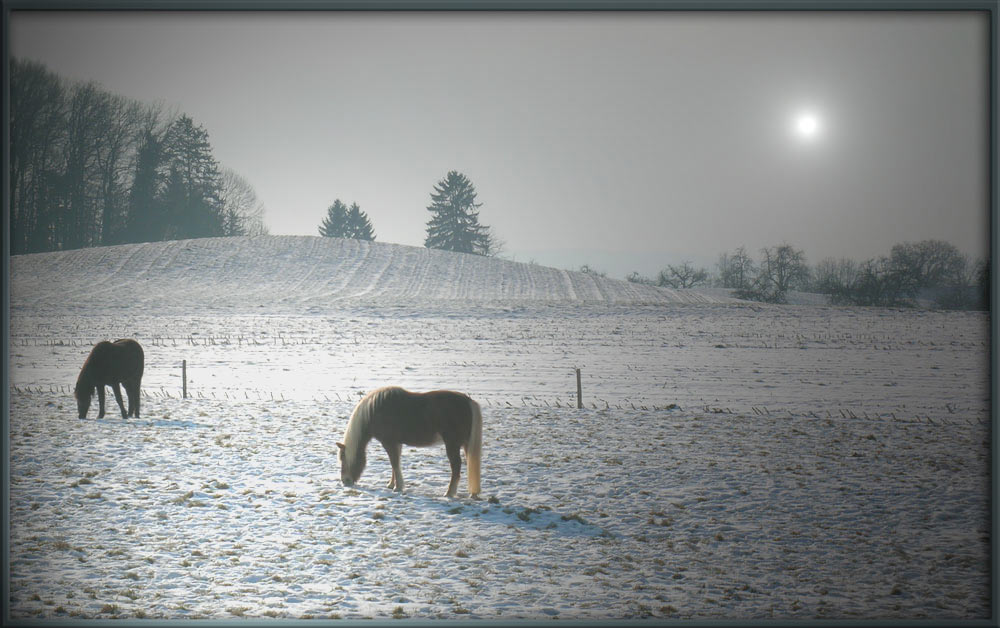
184 376
579 390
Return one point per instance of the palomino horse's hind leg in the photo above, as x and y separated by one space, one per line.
394 451
455 458
118 397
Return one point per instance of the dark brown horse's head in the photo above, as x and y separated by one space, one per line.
83 393
351 465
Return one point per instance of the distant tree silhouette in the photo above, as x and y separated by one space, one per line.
193 202
683 276
454 225
37 122
781 268
736 271
837 278
343 222
91 168
145 221
931 269
242 212
334 224
926 264
359 227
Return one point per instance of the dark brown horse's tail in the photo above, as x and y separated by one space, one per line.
474 448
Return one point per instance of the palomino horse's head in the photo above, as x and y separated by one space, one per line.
83 395
345 473
351 466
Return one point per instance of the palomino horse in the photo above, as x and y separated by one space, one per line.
397 417
111 364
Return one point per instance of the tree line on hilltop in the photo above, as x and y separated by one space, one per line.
930 271
454 224
91 168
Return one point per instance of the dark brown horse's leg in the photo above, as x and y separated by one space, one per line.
455 458
395 450
131 392
100 401
135 389
118 397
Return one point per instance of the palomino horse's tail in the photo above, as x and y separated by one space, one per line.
474 448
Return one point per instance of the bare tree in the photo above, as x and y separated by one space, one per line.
495 246
925 264
37 100
781 268
242 211
683 276
118 122
836 278
736 271
957 289
78 188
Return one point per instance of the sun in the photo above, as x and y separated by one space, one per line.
807 125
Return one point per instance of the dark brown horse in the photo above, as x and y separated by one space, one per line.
111 364
397 417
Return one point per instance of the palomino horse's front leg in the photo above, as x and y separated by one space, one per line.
394 451
455 458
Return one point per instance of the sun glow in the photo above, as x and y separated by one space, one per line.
807 125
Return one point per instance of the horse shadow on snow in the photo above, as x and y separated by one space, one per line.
538 517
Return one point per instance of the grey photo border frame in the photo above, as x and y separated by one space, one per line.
990 7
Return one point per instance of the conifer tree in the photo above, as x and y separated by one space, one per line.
454 225
334 224
358 225
145 222
195 209
343 222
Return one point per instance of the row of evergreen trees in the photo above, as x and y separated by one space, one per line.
454 224
346 222
91 168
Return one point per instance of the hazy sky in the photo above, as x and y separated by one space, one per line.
627 141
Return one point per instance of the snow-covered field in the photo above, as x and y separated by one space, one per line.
732 461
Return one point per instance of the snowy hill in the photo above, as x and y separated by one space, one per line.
302 274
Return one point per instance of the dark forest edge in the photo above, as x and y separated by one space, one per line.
91 168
